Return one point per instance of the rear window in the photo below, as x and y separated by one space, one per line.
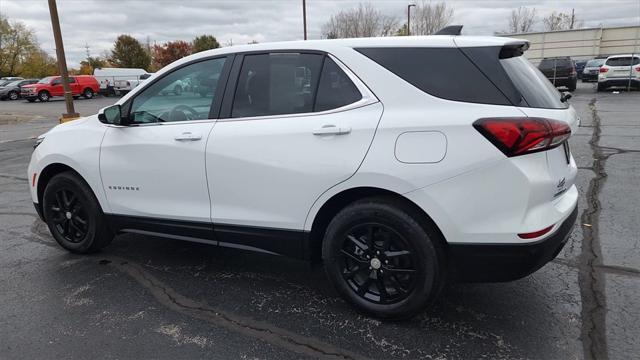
534 87
623 61
443 72
595 63
558 63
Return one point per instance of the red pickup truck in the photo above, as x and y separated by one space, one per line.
51 86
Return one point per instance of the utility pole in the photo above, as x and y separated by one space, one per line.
304 17
409 18
71 113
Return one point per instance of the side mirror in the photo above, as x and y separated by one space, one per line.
110 115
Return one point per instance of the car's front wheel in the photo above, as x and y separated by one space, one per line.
14 95
383 259
73 214
44 96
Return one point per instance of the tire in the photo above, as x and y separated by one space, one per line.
177 90
44 96
31 100
601 87
410 280
73 215
13 95
87 93
572 87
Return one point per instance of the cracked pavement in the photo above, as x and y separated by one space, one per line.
146 297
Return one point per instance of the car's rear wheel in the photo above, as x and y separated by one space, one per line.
601 87
87 93
44 96
382 259
73 214
14 95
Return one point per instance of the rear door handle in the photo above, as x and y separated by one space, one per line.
332 130
188 136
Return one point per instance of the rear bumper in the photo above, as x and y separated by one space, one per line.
619 82
564 81
590 77
507 262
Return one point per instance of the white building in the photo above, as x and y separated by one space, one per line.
582 44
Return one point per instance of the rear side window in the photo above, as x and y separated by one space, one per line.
536 90
443 72
276 84
623 61
335 88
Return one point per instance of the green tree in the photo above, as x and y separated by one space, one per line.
17 43
38 64
128 53
204 42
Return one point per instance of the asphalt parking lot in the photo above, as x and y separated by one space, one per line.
147 297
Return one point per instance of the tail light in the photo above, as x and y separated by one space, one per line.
519 136
604 69
535 234
638 68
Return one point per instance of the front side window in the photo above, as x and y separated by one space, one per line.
276 84
184 94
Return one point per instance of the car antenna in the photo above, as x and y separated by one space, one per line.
450 30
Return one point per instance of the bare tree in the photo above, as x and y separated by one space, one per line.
561 21
428 18
361 21
522 20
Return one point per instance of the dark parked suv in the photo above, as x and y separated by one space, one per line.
561 71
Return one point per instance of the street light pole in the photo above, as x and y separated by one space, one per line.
409 18
62 63
304 17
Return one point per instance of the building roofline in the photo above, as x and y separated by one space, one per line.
569 30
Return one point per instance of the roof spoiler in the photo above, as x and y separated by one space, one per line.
513 49
450 30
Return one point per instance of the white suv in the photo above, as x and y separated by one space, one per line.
400 162
620 70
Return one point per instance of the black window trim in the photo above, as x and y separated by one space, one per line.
367 96
214 110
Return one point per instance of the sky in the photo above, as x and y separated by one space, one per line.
97 23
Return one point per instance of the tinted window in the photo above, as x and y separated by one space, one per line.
335 88
623 61
184 94
276 84
442 72
595 63
534 87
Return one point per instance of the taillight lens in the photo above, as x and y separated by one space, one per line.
519 136
604 69
638 68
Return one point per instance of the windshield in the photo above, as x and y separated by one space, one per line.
536 90
595 63
46 80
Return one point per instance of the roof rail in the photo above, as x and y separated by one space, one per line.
450 30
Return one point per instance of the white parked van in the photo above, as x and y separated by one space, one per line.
107 77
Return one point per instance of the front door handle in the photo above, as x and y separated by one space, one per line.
188 136
332 130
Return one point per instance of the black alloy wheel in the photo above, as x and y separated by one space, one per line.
70 218
73 214
384 257
378 263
